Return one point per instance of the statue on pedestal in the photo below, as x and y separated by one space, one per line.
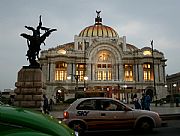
34 42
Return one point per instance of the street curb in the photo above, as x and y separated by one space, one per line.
170 116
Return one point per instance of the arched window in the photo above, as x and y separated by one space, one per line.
128 72
80 70
148 72
104 66
61 71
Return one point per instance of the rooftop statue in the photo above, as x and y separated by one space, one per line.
34 42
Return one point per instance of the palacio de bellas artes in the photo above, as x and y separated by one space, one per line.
99 62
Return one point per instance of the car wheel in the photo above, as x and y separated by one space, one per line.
78 126
144 125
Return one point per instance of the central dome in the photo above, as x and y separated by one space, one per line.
98 29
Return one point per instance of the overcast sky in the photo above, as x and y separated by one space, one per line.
139 20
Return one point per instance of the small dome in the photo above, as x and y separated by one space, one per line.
98 29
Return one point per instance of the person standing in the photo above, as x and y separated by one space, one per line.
50 104
147 102
45 104
136 102
143 102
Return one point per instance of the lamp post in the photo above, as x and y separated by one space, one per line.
76 78
172 97
125 86
154 79
172 94
85 79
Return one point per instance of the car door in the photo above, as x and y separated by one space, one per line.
116 117
89 112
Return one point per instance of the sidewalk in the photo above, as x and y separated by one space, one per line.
162 110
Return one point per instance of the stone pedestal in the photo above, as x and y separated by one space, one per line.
30 88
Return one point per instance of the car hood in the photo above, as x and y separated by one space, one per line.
34 120
144 113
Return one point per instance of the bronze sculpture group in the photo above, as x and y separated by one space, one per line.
34 42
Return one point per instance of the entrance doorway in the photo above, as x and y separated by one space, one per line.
59 96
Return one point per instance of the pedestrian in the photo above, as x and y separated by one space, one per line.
45 104
147 102
143 102
136 102
177 102
50 104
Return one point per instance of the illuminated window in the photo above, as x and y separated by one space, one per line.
147 53
99 73
60 75
61 51
109 75
104 66
128 72
61 71
80 70
104 72
103 75
79 45
104 57
148 72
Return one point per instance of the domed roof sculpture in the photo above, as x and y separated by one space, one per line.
98 29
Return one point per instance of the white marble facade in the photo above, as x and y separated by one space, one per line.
114 67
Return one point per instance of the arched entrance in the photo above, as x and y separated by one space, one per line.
59 95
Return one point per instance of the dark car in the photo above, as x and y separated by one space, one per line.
16 121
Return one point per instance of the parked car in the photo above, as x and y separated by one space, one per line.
93 114
16 121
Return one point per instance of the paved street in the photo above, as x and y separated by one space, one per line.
162 110
173 128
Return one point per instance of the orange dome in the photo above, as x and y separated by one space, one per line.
98 29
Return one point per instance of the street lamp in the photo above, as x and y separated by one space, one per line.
68 78
85 79
174 85
125 86
172 97
154 79
76 78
